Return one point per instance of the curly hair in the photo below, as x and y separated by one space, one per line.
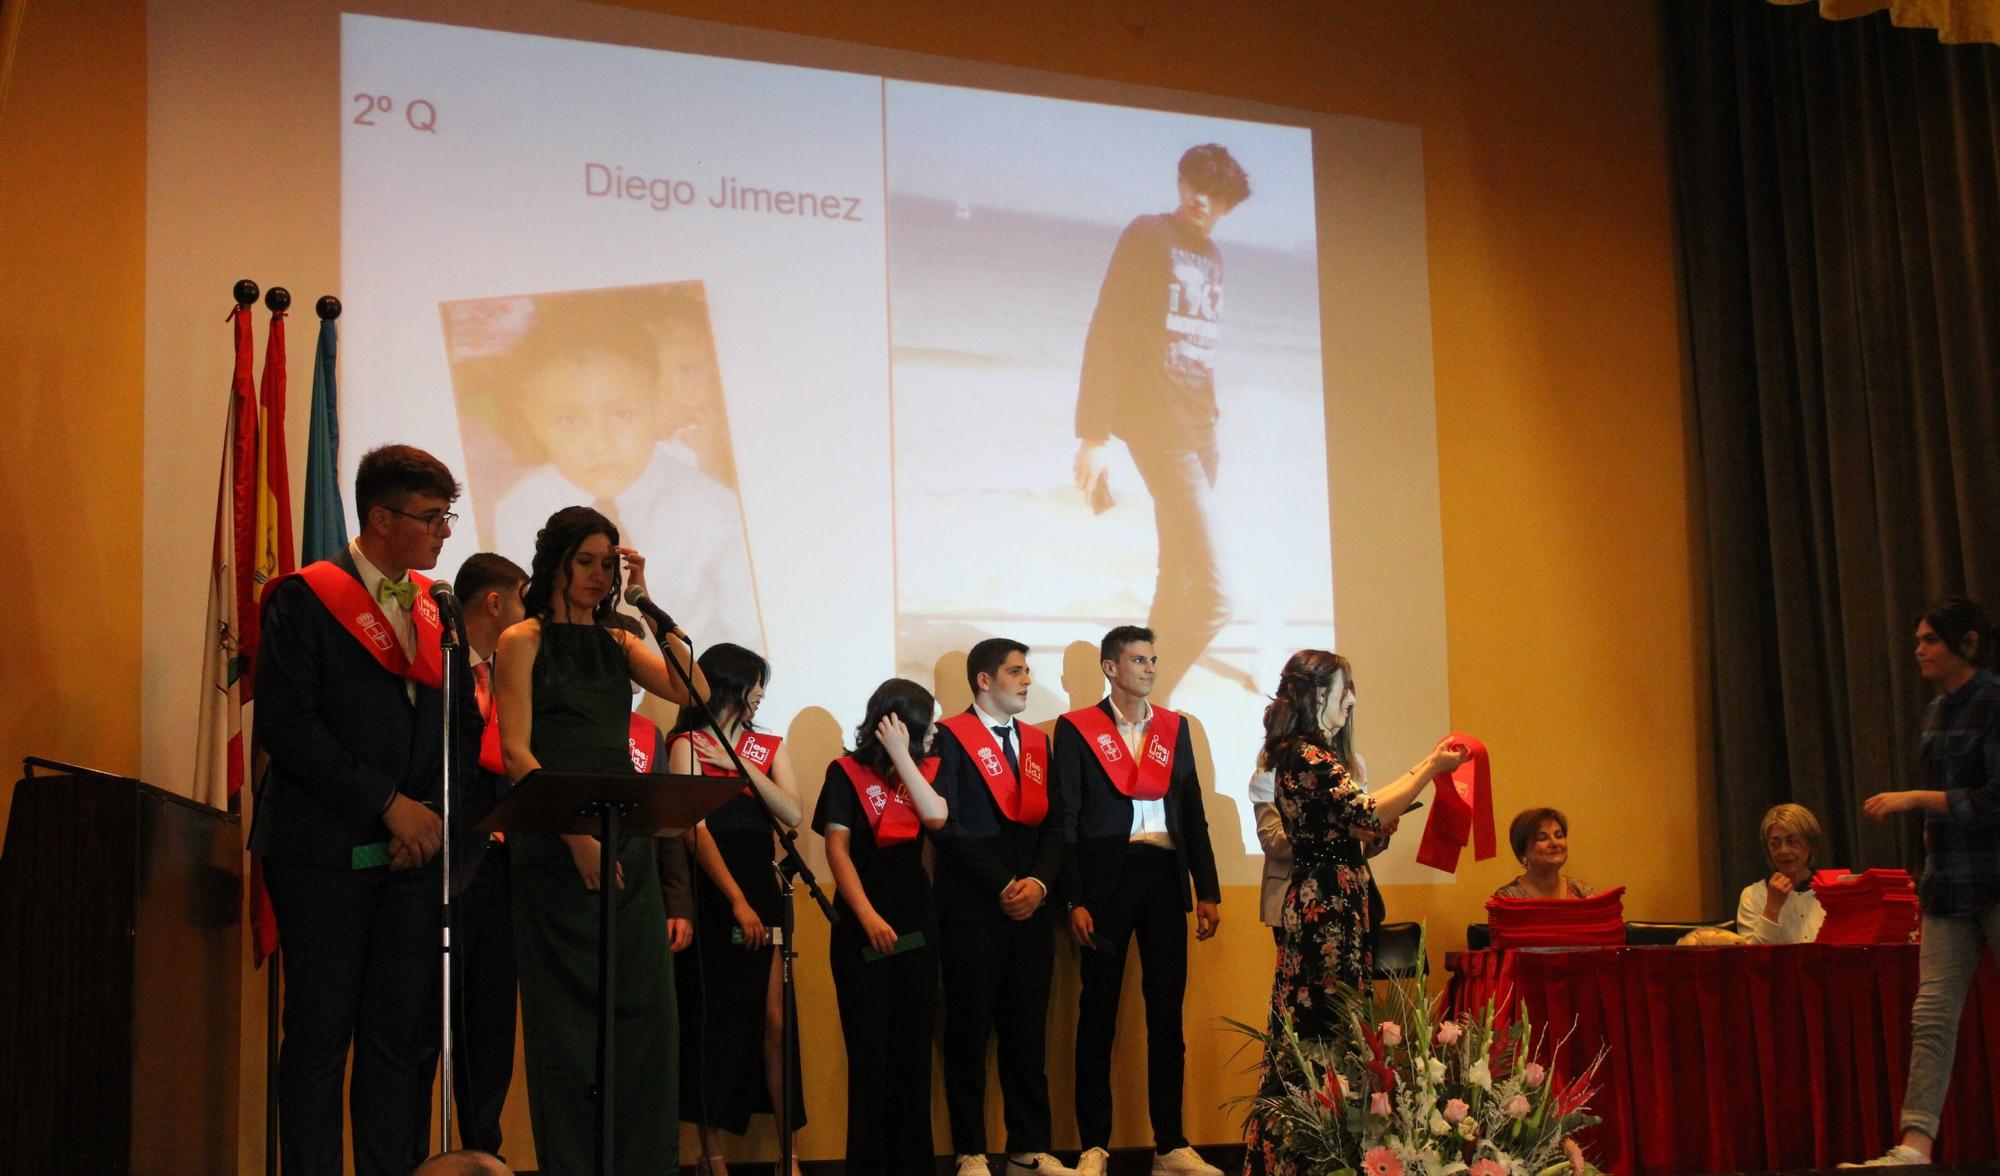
1295 707
556 545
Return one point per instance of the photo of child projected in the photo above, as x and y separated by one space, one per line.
610 399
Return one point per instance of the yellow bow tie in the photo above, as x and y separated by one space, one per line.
404 591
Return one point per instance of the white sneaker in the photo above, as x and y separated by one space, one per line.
1092 1162
1183 1160
973 1166
1037 1164
1896 1157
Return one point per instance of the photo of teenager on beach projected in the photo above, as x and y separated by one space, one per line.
610 399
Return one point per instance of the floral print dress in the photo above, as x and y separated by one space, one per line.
1326 942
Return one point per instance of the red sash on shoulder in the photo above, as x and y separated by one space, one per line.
1150 776
756 748
1023 804
489 738
645 739
358 613
891 816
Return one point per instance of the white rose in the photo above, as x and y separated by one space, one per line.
1435 1067
1480 1075
1438 1125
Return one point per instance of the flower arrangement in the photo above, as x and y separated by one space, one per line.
1402 1092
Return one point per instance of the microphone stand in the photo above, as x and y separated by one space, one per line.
449 641
791 869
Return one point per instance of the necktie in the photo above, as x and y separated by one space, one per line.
482 686
404 591
1007 745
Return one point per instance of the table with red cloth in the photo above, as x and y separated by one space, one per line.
1743 1059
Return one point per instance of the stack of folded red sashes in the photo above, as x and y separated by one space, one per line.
1875 906
1597 921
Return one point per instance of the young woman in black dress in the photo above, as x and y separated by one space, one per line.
874 809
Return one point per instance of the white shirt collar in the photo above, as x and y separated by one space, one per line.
990 721
371 576
1118 717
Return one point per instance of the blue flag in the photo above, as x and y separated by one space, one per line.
326 524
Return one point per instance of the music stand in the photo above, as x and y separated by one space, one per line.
608 806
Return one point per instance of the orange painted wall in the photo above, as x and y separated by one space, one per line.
1572 621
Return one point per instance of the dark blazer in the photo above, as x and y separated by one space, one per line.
1097 820
979 851
342 733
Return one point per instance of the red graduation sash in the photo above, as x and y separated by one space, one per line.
756 749
1022 803
358 613
644 738
489 709
1461 811
886 803
1146 778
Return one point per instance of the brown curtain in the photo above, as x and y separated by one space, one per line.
1839 212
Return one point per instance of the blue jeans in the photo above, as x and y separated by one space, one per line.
1191 594
1949 958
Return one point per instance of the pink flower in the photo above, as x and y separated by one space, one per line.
1392 1033
1532 1075
1455 1111
1378 1103
1380 1161
1517 1107
1486 1166
1448 1033
1575 1155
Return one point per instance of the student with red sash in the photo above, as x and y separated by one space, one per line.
874 809
488 588
1137 835
349 711
998 857
729 986
564 683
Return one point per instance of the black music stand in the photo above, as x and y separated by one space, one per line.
608 806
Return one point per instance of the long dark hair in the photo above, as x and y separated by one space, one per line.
556 545
907 701
732 672
1293 714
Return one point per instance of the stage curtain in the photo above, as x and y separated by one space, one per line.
1956 21
1838 190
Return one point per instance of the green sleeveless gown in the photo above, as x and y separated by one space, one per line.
582 716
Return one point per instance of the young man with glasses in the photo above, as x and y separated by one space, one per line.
349 710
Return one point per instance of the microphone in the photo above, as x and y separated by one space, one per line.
637 598
447 603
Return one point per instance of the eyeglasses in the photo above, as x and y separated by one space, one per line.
434 521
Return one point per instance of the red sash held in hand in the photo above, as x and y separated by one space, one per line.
1461 811
1152 773
358 613
756 748
886 802
1024 803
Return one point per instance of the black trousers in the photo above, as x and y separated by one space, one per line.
1147 907
360 950
996 981
1191 591
887 1009
483 1015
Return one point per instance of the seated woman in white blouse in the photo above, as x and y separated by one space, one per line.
1784 909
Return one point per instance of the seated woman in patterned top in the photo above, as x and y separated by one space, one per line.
1540 837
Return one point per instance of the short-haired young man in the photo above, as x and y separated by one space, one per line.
1149 378
1137 837
349 709
998 857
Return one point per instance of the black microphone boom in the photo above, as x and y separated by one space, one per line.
637 598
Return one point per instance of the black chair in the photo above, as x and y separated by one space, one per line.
1398 950
1478 936
1664 934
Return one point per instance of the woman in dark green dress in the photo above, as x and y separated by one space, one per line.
563 682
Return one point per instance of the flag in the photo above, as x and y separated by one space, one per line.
275 556
219 751
326 525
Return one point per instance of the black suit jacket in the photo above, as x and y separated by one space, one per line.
342 733
979 851
1097 820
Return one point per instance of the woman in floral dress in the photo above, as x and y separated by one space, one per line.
1326 942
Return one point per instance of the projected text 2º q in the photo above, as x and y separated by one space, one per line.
662 194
